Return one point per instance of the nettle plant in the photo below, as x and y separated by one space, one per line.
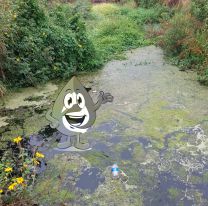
19 164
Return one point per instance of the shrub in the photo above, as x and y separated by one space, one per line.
179 40
174 35
185 40
42 47
83 7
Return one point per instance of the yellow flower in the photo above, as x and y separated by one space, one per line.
1 191
20 180
8 169
12 186
17 139
80 45
40 155
15 16
36 162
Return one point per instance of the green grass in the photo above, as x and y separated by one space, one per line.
113 30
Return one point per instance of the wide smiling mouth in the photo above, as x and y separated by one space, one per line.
75 120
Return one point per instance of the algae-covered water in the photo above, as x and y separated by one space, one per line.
155 130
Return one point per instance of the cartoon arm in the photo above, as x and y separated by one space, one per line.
54 122
103 98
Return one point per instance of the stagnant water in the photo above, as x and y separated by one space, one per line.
155 130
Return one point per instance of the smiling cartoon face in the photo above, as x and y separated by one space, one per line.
74 108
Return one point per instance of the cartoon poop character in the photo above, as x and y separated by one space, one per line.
75 111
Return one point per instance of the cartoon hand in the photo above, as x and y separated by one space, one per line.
54 123
106 97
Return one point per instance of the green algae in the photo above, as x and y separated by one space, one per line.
138 153
195 179
205 177
49 186
34 124
174 193
176 142
114 191
50 192
97 159
159 121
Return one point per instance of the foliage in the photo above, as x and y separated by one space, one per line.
185 40
148 3
18 165
199 8
114 31
42 47
105 10
152 15
83 7
174 34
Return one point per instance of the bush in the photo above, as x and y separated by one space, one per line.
83 7
185 40
175 35
42 47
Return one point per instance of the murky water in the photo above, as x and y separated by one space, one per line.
155 130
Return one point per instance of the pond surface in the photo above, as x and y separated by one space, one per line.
155 130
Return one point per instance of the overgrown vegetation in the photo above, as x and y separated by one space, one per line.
114 28
185 38
40 42
45 44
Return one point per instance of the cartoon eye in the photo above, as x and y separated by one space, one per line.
80 100
68 101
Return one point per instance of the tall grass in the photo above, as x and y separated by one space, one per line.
113 30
